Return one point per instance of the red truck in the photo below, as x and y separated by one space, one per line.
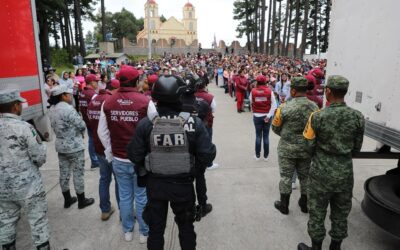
20 60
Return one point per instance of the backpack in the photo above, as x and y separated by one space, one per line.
169 147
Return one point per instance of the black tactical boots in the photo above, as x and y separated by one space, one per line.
68 200
283 204
44 246
315 246
10 246
84 202
335 245
303 203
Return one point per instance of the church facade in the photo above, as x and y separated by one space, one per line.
169 34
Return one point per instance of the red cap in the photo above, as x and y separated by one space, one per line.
261 78
128 73
91 78
114 83
318 73
152 79
311 79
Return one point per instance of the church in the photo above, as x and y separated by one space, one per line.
172 32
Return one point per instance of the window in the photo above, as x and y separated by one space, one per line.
190 15
191 26
151 13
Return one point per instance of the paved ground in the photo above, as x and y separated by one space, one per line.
242 192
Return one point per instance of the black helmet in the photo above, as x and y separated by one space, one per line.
200 83
168 88
190 81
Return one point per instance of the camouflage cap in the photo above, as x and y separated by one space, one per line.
58 90
298 82
337 82
10 95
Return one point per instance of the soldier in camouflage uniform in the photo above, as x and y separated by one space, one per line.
336 133
69 128
21 186
293 151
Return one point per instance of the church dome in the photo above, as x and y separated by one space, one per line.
188 5
152 2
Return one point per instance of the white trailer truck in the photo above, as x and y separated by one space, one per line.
364 46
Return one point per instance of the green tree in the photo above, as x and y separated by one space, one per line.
120 24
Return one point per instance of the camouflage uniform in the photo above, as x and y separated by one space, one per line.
69 128
336 133
21 186
293 151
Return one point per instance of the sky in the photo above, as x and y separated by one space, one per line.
213 17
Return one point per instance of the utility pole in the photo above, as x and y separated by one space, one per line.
148 30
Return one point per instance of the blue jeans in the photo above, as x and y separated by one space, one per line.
262 134
106 172
92 152
129 192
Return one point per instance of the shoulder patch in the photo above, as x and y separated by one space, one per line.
309 132
277 122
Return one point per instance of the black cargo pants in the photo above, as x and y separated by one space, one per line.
180 196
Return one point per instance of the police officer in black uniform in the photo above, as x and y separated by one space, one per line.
199 109
175 189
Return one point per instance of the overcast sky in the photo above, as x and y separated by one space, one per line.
213 16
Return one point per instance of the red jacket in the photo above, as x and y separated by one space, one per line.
241 83
85 97
123 111
261 99
203 95
93 114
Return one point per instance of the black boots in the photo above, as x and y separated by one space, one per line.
335 245
44 246
283 204
9 246
205 209
315 246
68 200
84 202
303 203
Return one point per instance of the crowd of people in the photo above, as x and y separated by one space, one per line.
149 124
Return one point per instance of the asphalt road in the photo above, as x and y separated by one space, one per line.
242 192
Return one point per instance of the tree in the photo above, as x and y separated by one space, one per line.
324 39
315 28
262 28
103 20
120 24
269 26
285 27
272 48
163 19
279 26
296 28
255 25
305 22
242 11
291 5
